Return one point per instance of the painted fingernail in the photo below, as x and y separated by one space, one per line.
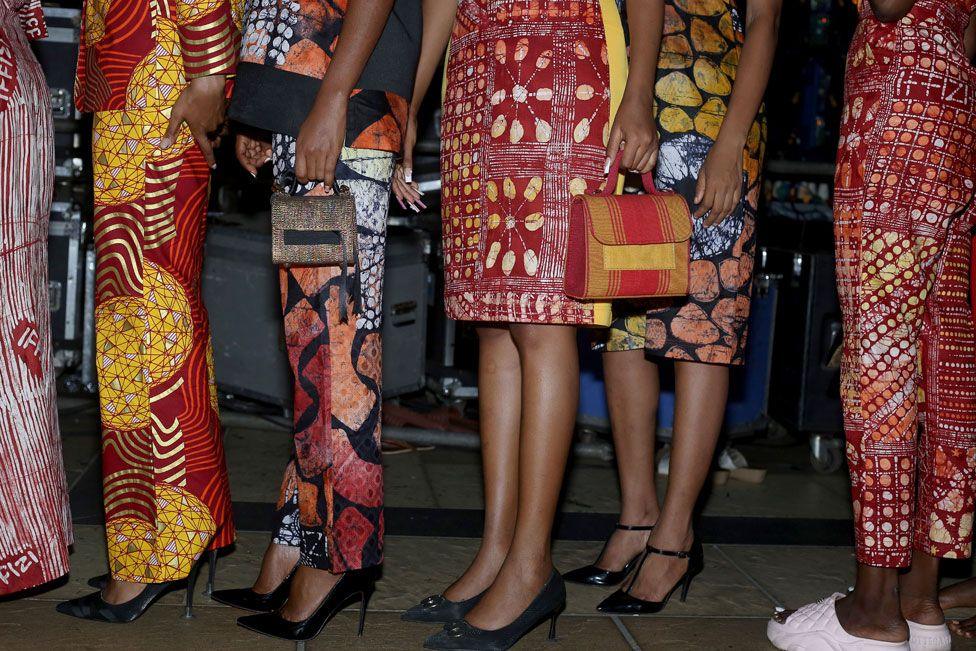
408 175
254 174
400 201
606 166
420 192
414 208
422 204
165 143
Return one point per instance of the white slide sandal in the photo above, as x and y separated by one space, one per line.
928 637
815 627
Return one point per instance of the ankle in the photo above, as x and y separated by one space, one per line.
922 609
639 517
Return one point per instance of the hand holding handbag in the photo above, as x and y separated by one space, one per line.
628 246
317 231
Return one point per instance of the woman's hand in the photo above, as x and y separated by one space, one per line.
202 106
252 152
635 135
404 188
320 139
719 183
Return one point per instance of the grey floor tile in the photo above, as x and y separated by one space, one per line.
675 633
406 482
795 575
783 495
256 459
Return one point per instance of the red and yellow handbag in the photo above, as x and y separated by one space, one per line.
628 246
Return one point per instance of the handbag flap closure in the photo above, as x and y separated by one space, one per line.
637 219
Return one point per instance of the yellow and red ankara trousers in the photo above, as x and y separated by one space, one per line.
164 477
903 216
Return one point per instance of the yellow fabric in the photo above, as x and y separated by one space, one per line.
638 257
617 53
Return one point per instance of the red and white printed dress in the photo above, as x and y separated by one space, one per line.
35 525
530 96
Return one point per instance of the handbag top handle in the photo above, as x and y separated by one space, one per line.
609 187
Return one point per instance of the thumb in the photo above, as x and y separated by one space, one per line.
175 120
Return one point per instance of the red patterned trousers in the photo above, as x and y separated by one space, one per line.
902 224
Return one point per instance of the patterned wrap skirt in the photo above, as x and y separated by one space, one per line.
696 69
35 525
531 90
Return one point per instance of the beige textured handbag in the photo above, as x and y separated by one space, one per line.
317 231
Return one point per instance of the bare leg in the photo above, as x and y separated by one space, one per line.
873 610
960 595
308 590
278 562
499 398
550 392
918 590
632 394
700 394
119 592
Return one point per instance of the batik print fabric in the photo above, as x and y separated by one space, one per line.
696 69
287 47
165 481
903 214
331 501
531 91
35 524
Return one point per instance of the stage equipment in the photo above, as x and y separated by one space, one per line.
241 292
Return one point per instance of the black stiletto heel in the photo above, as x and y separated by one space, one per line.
550 601
191 583
354 586
596 575
211 572
95 608
256 602
622 602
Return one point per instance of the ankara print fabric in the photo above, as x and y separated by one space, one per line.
331 500
287 47
531 91
35 523
697 67
902 223
122 39
166 492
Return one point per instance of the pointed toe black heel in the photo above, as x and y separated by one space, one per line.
622 602
438 609
94 608
255 602
99 582
596 575
547 605
354 586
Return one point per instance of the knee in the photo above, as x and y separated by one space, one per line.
543 339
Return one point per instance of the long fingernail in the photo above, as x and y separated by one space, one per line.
400 201
408 175
422 204
214 166
606 166
165 143
254 174
420 192
414 208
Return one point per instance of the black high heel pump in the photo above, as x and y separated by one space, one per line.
256 602
547 605
354 586
622 602
596 575
95 608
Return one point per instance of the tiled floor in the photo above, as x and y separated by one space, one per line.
726 609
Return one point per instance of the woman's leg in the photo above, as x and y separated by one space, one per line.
701 391
632 395
550 392
500 404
